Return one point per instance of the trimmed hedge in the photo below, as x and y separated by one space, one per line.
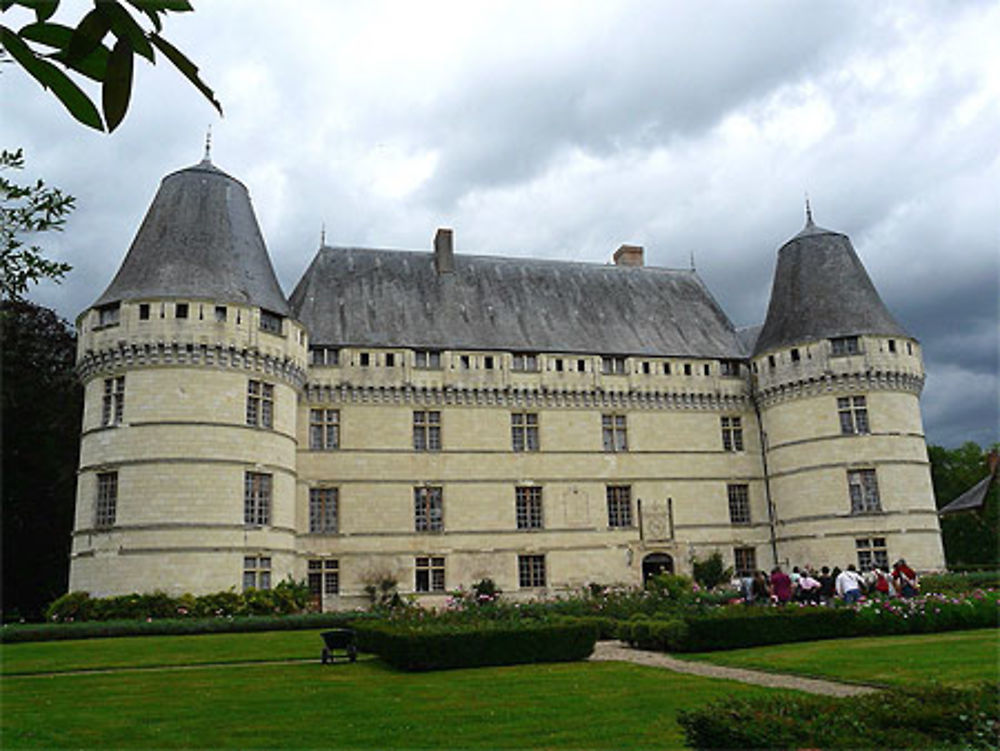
13 633
734 628
666 635
442 647
927 717
960 583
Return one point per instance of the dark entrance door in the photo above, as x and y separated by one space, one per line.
656 563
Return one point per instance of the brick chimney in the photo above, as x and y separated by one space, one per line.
628 255
444 252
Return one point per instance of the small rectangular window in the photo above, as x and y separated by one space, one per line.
427 359
364 359
324 429
619 499
107 500
324 577
771 362
464 362
323 510
745 561
257 498
221 313
181 310
488 362
845 345
862 486
646 369
528 507
706 369
428 509
614 432
909 348
324 355
666 368
426 430
524 431
872 553
390 359
581 366
613 365
853 414
429 572
892 345
739 504
113 406
531 571
524 362
256 572
729 368
144 311
687 368
260 404
732 434
559 365
270 322
795 354
108 315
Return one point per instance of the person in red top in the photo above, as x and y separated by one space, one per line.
905 579
781 585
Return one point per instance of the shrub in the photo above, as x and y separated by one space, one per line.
663 635
927 717
711 572
732 628
960 583
436 646
15 633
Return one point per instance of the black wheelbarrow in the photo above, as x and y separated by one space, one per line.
340 642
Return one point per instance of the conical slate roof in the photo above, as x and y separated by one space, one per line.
366 297
821 290
199 240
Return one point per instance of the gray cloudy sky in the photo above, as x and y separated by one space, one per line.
562 129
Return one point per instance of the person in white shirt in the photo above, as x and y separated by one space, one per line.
848 585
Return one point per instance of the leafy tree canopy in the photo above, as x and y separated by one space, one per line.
46 50
27 210
971 539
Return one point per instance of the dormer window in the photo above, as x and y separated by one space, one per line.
613 365
525 362
109 315
428 359
270 322
845 345
324 356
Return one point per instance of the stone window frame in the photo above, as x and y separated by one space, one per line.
427 359
525 362
863 491
324 511
256 572
426 430
613 365
614 432
524 435
745 561
323 356
260 404
113 405
428 508
323 577
528 507
732 433
271 322
258 490
843 346
324 429
531 572
106 500
619 500
739 503
872 551
852 412
429 573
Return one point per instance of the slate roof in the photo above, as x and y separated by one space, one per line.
974 498
821 290
199 240
384 298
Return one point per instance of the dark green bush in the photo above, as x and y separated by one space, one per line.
435 646
926 717
711 572
732 628
12 633
665 635
960 583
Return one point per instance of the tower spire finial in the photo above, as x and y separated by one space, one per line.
809 211
322 235
208 145
692 260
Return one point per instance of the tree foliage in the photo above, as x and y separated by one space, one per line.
47 51
41 404
27 210
971 538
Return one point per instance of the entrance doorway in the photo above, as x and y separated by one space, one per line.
656 563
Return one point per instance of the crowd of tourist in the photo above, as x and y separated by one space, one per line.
809 586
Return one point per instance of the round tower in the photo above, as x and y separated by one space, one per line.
838 381
191 367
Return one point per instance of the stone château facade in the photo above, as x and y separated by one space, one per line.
439 418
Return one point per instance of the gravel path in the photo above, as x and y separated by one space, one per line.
617 651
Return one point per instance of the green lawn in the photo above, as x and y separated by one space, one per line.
153 651
954 658
360 705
